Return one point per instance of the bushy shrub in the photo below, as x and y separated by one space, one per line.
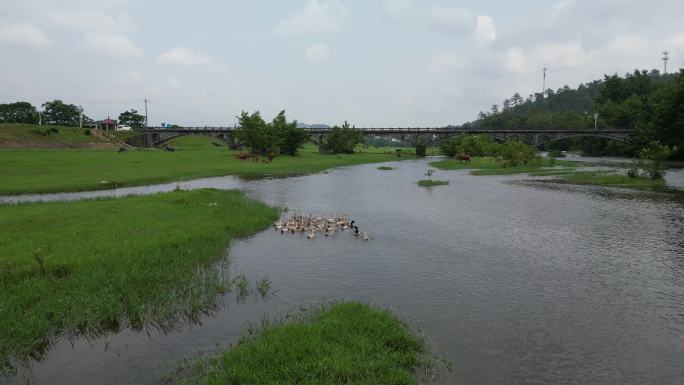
514 153
475 145
656 154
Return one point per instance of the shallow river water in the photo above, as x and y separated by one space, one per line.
511 282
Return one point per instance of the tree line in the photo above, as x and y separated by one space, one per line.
58 113
283 137
649 102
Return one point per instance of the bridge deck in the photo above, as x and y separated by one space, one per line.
408 130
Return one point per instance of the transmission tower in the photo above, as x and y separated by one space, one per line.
544 82
666 58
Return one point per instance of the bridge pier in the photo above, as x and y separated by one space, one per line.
230 141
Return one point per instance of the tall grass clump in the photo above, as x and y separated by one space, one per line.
95 265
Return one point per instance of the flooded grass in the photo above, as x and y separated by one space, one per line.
614 180
86 267
565 171
345 343
263 286
43 171
489 166
241 286
431 183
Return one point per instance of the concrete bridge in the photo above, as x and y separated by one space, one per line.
156 136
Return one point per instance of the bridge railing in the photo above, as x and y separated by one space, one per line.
407 130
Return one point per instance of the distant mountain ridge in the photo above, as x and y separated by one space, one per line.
304 125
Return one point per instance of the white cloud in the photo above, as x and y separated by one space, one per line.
131 77
447 19
110 45
447 62
172 82
515 61
558 55
184 56
451 20
317 53
23 34
93 20
317 16
485 30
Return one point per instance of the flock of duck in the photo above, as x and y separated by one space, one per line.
311 225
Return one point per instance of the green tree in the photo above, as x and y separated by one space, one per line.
252 131
19 112
342 140
668 117
290 137
132 118
59 113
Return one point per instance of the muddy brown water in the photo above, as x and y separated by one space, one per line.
511 282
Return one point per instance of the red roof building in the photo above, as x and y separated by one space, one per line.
106 124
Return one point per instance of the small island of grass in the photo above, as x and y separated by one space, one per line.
386 168
431 183
350 343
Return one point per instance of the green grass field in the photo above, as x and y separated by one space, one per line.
88 266
37 171
347 343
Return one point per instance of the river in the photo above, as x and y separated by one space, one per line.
511 282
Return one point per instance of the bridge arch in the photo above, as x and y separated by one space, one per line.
554 138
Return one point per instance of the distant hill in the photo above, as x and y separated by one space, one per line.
648 102
304 125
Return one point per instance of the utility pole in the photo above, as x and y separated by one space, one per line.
146 113
666 57
80 117
596 116
544 82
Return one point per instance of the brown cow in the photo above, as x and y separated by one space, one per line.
462 157
245 156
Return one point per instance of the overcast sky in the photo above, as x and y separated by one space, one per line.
372 62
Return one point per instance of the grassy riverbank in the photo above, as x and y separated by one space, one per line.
348 343
35 171
14 135
83 267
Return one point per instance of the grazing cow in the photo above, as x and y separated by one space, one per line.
462 157
245 156
169 148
